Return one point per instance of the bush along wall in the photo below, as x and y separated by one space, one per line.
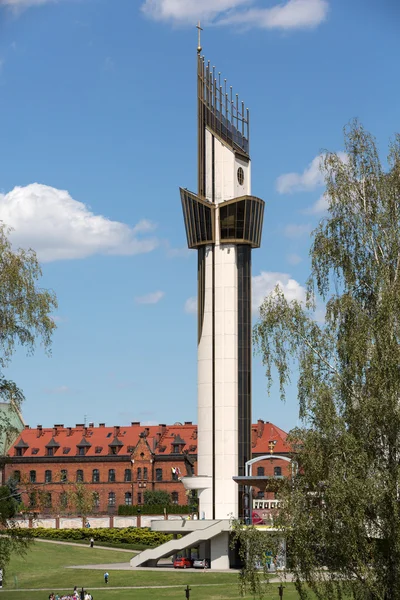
128 535
154 509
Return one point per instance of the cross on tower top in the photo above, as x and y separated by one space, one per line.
271 447
199 29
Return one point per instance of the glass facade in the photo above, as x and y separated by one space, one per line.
241 221
244 354
199 219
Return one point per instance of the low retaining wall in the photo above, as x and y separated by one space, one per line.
95 521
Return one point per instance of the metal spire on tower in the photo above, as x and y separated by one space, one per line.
199 29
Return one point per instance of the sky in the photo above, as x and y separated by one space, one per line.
98 131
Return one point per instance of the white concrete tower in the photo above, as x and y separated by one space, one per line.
223 222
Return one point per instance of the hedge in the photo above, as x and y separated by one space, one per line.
101 534
154 509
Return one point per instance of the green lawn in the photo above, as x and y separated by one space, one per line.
45 567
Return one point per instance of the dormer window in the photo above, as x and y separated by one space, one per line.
52 447
115 446
83 447
20 448
178 444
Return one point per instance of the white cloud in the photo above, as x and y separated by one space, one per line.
152 298
294 259
295 231
308 180
264 284
191 305
320 206
58 227
290 14
20 4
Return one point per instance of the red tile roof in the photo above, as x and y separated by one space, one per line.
159 437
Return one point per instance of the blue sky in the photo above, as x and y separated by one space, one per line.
98 131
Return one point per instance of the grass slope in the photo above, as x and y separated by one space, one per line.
45 568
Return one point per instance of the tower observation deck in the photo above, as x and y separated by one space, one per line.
223 223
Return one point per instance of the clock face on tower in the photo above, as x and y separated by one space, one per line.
240 176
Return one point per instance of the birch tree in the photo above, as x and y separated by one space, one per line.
341 516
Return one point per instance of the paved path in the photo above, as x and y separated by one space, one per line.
138 587
131 552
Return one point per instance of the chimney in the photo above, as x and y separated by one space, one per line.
69 431
162 427
91 424
188 423
55 430
80 425
116 430
260 427
85 430
102 424
135 423
253 437
27 427
39 431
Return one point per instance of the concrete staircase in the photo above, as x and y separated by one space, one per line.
149 558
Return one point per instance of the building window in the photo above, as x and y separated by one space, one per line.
47 476
260 495
18 451
32 476
158 474
139 473
50 451
175 498
111 475
96 476
174 475
63 499
33 499
260 471
145 473
47 500
81 451
79 475
17 476
64 475
128 498
277 471
139 498
128 475
111 499
240 176
96 499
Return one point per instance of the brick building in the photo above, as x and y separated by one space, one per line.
116 465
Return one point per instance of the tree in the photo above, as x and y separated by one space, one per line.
158 497
342 508
25 316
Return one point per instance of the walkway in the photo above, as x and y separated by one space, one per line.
84 545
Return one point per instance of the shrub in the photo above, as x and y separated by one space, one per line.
149 509
130 535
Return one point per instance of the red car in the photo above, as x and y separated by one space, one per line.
183 563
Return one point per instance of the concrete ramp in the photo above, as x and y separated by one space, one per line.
150 557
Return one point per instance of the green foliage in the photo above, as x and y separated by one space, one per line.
25 315
342 508
157 497
154 509
129 535
253 546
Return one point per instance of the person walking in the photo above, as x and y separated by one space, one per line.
106 577
91 542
